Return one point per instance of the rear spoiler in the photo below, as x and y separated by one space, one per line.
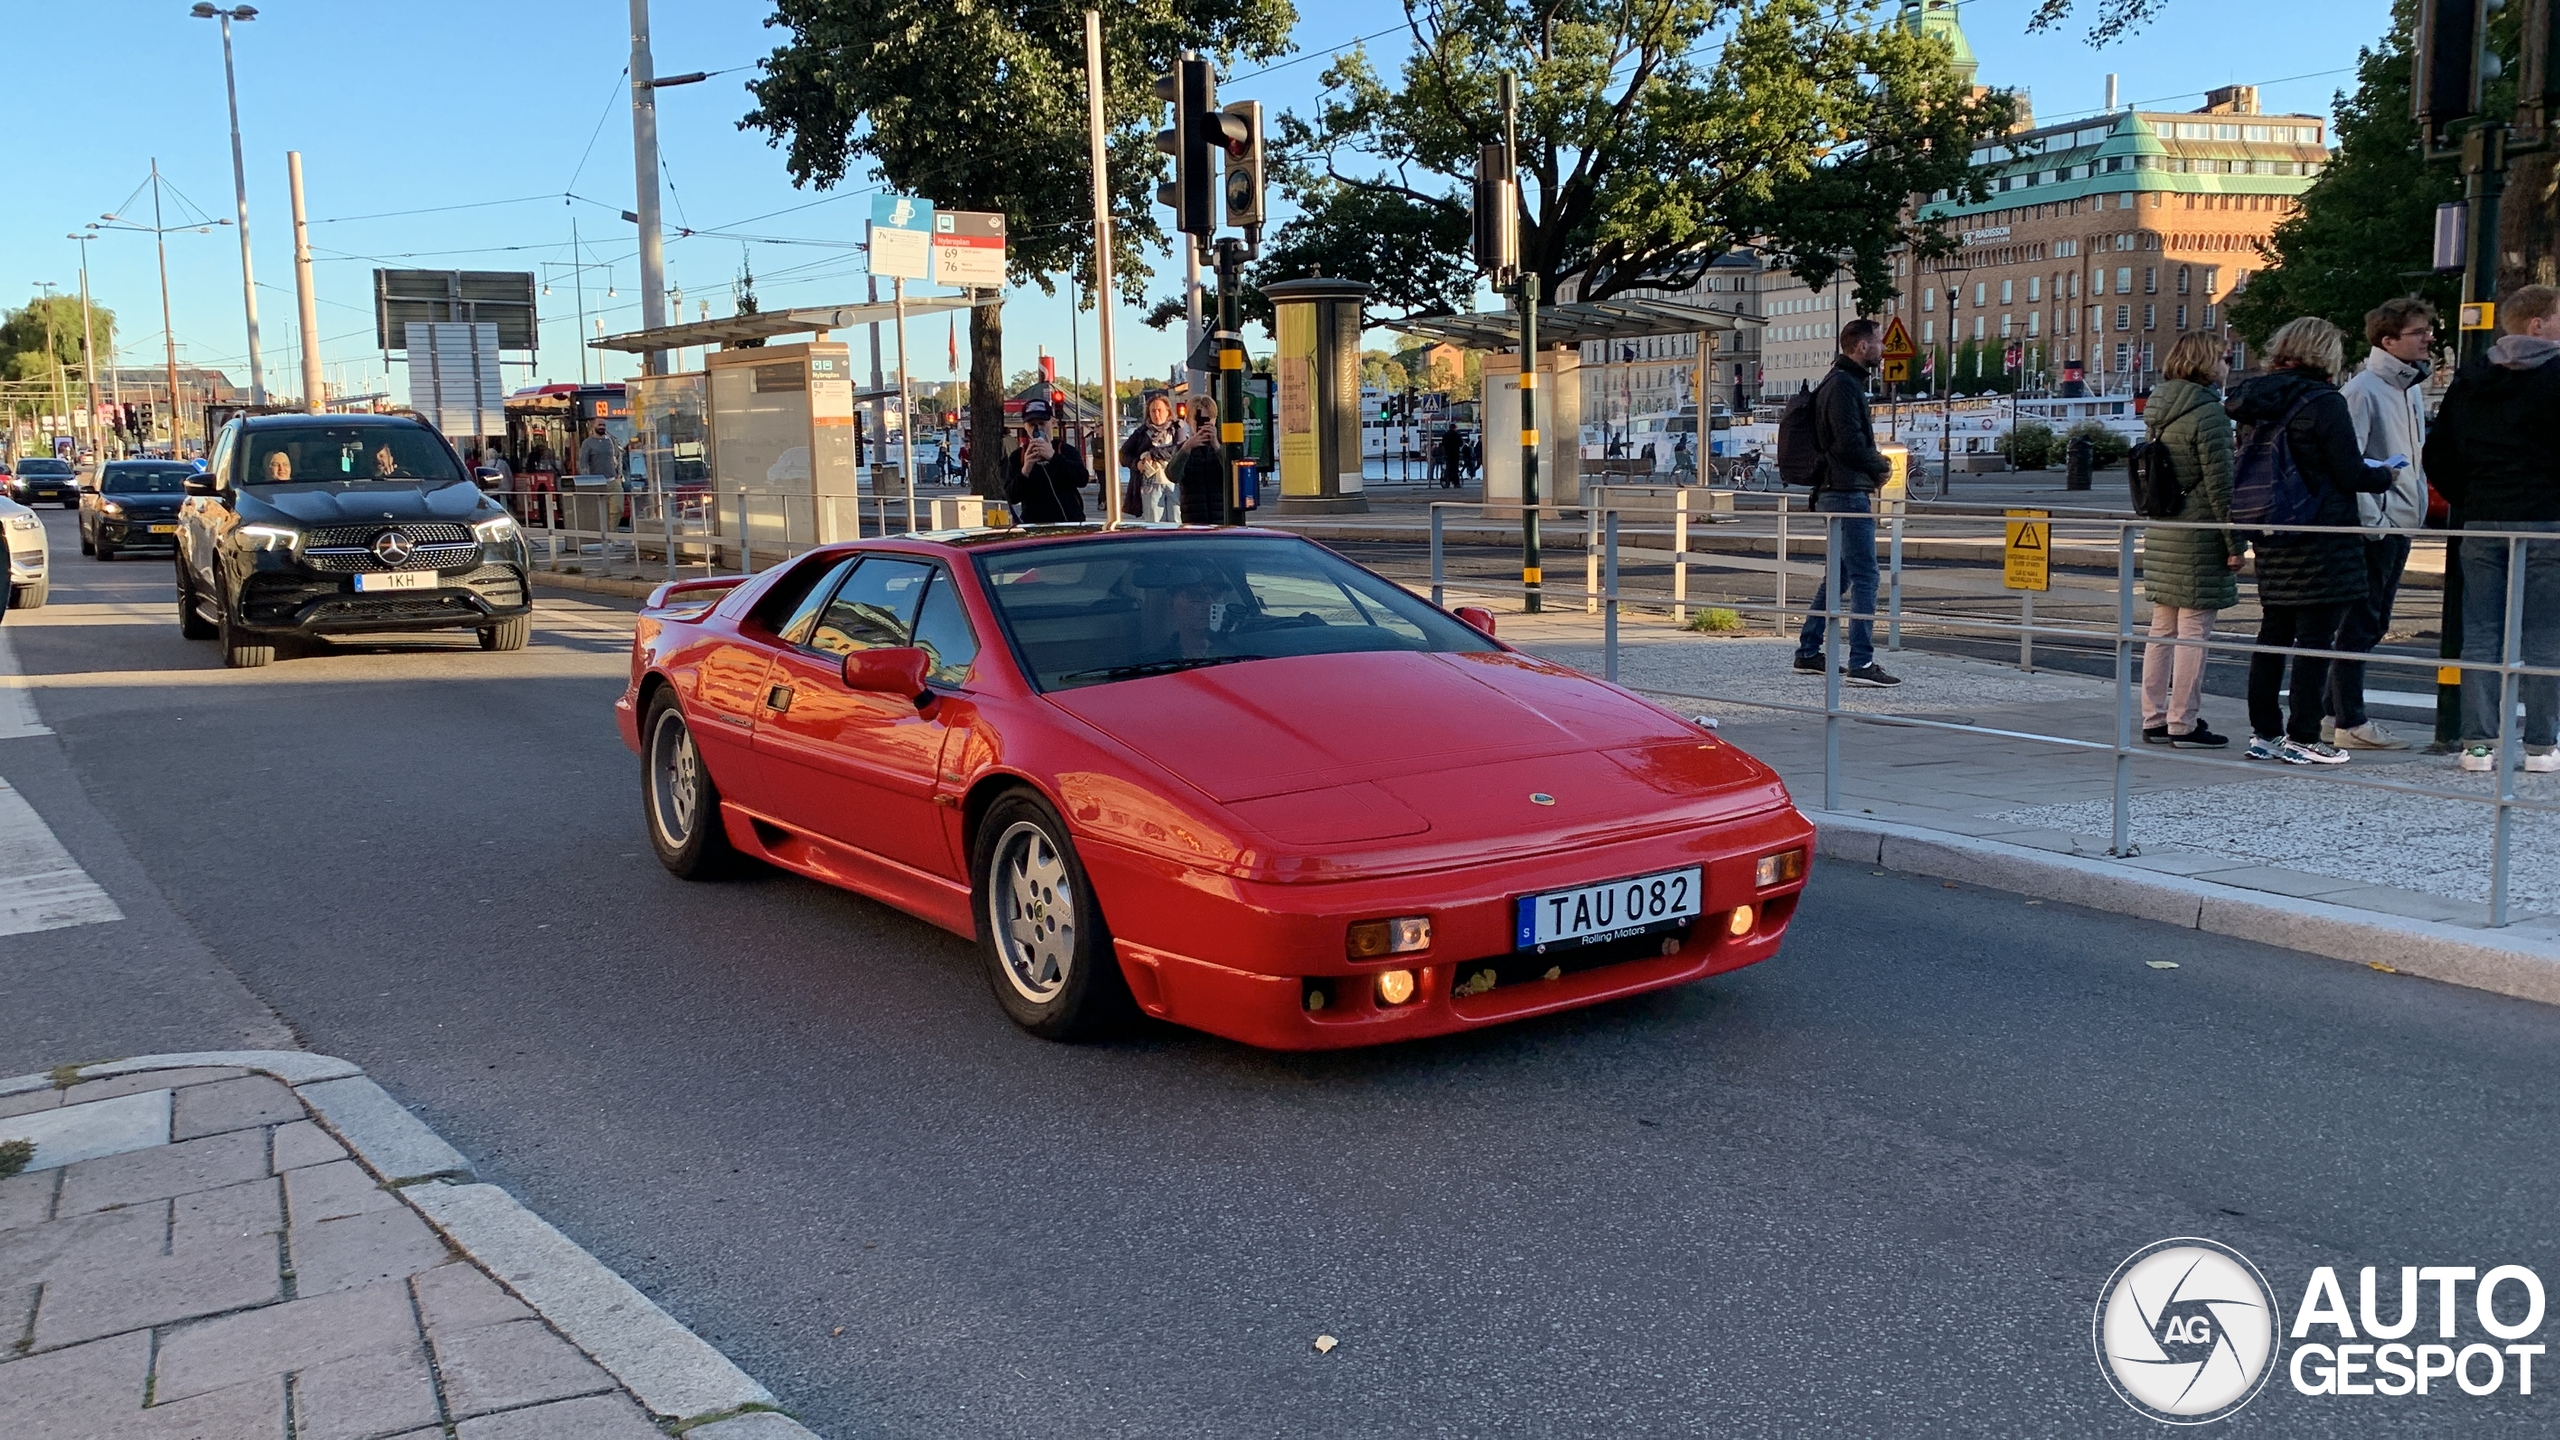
692 596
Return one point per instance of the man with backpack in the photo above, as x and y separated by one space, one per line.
1826 440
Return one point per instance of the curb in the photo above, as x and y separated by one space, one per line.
683 1381
595 584
2516 965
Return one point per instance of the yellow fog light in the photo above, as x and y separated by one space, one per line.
1395 987
1740 924
1376 939
1778 869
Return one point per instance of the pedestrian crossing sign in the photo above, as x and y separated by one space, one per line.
2027 559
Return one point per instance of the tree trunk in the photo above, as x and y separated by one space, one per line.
986 400
2529 224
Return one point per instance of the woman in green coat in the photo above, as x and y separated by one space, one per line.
2188 574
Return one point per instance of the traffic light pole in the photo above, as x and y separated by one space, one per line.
1531 577
1230 338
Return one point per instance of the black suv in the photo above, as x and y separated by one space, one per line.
41 477
134 506
334 524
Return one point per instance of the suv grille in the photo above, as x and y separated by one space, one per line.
348 560
362 535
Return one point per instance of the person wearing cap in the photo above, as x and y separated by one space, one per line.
1045 477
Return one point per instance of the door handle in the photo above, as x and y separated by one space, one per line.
778 699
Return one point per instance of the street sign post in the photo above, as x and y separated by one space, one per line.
968 248
2026 566
1897 341
901 237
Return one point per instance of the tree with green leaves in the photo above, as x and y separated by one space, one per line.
45 334
2366 229
1654 136
981 106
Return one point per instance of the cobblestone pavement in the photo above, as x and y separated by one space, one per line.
190 1255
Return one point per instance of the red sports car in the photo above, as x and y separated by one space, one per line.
1225 777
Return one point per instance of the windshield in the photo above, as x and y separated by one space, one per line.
146 479
1085 614
301 454
44 467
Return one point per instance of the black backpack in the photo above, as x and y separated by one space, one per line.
1799 447
2156 491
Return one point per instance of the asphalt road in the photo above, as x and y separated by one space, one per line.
1872 1187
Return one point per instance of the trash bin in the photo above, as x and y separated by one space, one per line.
2076 477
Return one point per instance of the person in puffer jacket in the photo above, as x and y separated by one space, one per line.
2187 574
2306 580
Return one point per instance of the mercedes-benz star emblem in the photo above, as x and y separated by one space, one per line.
392 547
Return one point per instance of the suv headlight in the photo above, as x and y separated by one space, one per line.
270 537
496 532
111 507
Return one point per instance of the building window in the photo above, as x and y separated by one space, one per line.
2212 283
2124 358
2033 328
1928 299
2035 288
2208 316
2150 279
1978 289
2182 317
2124 279
1928 332
2185 272
2004 327
2150 317
1977 327
2005 295
2097 282
2124 317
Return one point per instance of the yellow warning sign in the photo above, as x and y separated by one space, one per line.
1897 341
1897 372
2026 563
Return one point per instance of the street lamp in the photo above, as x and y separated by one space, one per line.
88 339
1955 273
240 188
160 235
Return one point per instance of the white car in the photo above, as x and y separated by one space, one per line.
25 536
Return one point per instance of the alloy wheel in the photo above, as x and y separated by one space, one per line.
1032 911
675 769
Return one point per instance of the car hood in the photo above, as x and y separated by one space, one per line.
145 504
1447 749
357 502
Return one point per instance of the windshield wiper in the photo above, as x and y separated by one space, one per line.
1153 667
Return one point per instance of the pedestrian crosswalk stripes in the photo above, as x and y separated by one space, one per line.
41 886
17 706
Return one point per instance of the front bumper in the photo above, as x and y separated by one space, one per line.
462 599
1276 943
45 492
135 533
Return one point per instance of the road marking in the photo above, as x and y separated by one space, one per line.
41 886
17 706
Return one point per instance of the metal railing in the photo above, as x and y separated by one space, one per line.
1606 595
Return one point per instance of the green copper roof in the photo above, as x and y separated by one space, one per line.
1938 18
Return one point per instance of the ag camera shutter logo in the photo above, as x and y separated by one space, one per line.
2186 1331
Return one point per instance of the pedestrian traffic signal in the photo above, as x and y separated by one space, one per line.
1497 214
1192 91
1243 141
2445 82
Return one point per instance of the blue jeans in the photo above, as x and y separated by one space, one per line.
1857 576
2484 631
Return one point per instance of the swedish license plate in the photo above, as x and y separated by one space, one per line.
398 580
164 529
1595 914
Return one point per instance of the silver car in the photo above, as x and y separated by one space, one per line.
25 535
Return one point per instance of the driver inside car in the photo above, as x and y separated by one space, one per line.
279 466
1181 607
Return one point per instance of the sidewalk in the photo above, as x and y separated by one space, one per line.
2294 844
263 1243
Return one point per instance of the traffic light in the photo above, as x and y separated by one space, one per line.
1193 93
1242 137
2445 81
1497 213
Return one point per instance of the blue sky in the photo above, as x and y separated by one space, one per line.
416 108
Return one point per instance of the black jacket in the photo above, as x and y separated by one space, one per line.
2304 569
1844 431
1201 473
2491 449
1049 493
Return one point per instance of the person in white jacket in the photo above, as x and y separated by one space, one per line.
2386 399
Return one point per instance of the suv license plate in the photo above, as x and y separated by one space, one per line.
397 580
1595 914
164 529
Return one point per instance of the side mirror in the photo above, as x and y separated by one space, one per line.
897 670
1476 616
489 472
201 485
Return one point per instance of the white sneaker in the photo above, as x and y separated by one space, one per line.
2262 748
2294 752
2543 762
2483 758
2368 736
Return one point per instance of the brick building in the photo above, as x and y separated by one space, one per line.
2105 239
1658 375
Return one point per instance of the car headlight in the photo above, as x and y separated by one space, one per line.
270 537
112 508
496 532
25 522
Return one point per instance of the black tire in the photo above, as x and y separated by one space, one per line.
102 550
191 621
679 803
85 547
240 650
507 634
1049 957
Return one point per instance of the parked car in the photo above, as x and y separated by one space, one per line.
40 478
1227 778
133 505
22 534
308 525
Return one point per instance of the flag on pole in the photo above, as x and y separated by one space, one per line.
955 344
